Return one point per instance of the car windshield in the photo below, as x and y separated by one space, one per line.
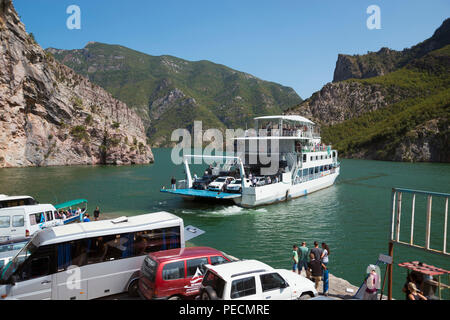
149 268
238 181
17 261
220 180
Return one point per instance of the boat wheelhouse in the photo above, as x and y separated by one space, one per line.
280 159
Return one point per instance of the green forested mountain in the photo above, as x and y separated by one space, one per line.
402 115
170 92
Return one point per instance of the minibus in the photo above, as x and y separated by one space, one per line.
89 260
24 221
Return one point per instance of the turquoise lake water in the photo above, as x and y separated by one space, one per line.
353 216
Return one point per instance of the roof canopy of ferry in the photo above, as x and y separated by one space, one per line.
295 118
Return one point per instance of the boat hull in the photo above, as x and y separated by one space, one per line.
278 192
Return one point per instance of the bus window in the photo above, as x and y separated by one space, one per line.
71 253
5 222
18 221
161 239
36 268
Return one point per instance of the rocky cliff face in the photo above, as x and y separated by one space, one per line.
50 116
393 113
337 102
379 63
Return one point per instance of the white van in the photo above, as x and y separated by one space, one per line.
16 201
88 260
24 221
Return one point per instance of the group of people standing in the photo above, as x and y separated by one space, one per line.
314 261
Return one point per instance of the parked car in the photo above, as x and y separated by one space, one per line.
236 185
260 181
202 183
254 280
9 248
220 183
177 273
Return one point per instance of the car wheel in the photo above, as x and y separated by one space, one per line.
133 289
209 294
305 296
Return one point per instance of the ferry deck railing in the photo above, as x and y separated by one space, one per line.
396 216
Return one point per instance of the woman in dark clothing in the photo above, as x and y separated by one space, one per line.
414 294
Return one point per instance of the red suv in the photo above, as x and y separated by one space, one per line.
177 273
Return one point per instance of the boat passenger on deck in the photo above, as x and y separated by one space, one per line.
173 182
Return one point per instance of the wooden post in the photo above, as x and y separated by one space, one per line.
391 253
384 281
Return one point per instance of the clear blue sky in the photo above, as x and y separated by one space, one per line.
292 42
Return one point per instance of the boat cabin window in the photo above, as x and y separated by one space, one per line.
304 158
18 221
316 170
311 158
5 222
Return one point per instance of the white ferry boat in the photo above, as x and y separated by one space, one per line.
305 165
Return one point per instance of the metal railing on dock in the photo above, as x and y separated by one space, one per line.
397 197
395 231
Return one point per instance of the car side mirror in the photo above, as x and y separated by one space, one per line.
284 285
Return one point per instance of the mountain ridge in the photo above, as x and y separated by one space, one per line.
401 114
170 92
387 60
51 116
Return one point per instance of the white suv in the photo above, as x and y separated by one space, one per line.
253 280
220 183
